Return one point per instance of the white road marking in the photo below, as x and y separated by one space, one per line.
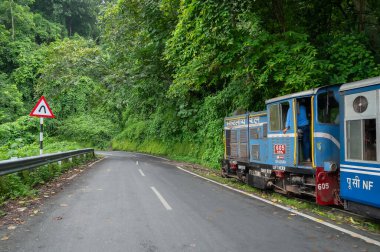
289 209
154 156
137 162
163 201
142 173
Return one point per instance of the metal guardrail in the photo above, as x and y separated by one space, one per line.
12 166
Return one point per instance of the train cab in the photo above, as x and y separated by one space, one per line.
303 143
291 147
284 132
360 152
304 129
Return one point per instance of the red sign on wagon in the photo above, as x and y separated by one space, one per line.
279 149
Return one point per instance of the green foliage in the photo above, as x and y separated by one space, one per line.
21 138
22 184
25 129
93 130
134 35
11 105
46 31
77 16
51 145
4 42
350 60
222 56
69 77
169 71
26 75
12 187
24 24
21 31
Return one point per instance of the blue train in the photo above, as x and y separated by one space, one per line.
320 142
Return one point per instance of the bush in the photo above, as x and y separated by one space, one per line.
90 130
22 184
24 129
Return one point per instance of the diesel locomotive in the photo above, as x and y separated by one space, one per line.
320 142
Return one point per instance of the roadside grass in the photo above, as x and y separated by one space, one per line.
180 151
51 145
22 184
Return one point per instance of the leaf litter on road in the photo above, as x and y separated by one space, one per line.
4 238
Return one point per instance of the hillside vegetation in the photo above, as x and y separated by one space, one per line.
159 76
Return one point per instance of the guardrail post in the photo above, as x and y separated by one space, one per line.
60 161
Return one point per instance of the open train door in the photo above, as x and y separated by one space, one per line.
325 134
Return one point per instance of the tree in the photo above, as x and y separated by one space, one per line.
78 16
11 106
134 34
70 76
23 24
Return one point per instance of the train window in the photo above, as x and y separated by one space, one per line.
370 139
361 139
233 135
274 114
328 108
277 114
354 149
254 133
228 143
255 152
265 130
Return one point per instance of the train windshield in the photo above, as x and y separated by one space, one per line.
277 114
328 108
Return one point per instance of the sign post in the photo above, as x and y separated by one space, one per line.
42 110
41 135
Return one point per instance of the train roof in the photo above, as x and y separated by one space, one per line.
258 113
309 92
360 84
245 116
294 95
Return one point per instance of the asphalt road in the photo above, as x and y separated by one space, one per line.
132 202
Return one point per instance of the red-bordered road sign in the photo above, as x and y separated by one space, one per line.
42 109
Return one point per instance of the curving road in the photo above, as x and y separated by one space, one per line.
133 202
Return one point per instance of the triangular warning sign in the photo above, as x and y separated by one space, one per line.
42 109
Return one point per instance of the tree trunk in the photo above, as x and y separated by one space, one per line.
12 18
361 7
278 7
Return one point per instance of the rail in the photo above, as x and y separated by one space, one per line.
12 166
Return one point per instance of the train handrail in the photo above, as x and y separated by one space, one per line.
21 164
